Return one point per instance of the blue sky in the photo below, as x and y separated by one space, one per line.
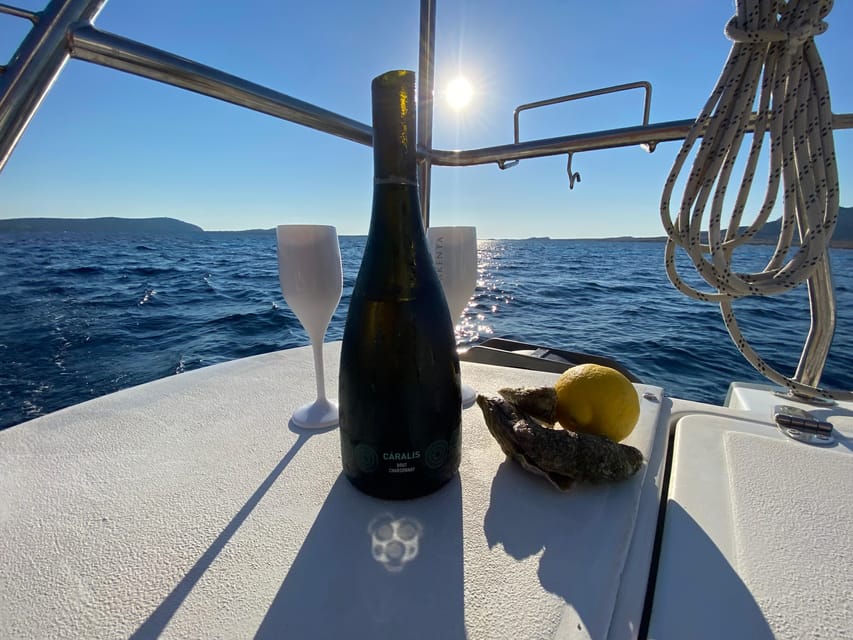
107 143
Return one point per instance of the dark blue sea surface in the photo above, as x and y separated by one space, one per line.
85 315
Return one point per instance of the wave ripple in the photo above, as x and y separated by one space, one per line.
95 314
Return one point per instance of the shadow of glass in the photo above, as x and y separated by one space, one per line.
374 568
698 593
160 617
308 431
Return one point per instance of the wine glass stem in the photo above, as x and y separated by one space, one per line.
317 346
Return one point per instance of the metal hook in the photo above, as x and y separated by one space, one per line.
573 177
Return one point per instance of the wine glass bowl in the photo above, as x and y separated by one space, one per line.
311 277
454 254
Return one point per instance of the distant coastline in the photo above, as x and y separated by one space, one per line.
159 226
837 243
842 237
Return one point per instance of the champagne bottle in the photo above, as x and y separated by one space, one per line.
399 395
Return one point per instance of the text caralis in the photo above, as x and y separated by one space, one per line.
405 455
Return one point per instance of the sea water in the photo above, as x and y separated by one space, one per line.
84 315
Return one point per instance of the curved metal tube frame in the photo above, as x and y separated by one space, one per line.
64 29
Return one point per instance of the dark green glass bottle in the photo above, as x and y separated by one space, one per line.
399 395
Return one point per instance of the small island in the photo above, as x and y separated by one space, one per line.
154 226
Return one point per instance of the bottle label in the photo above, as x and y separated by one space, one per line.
436 454
368 460
401 461
401 455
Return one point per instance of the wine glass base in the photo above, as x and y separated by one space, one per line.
468 396
320 414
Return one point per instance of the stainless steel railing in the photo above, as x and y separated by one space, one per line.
64 29
36 64
113 51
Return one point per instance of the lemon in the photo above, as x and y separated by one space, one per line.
595 399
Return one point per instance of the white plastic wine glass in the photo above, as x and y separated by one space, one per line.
454 253
309 268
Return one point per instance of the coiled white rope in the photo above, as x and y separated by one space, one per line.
774 60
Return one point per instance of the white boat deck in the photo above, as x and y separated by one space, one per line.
757 537
189 508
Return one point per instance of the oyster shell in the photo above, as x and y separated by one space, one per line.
536 402
563 457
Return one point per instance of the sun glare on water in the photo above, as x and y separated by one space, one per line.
459 93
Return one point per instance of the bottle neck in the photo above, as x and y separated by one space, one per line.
394 129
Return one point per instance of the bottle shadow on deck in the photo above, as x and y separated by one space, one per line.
376 568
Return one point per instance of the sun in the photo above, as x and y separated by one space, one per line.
459 93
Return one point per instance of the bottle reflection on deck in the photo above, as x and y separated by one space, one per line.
371 568
394 542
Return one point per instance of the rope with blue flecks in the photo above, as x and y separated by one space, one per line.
773 60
